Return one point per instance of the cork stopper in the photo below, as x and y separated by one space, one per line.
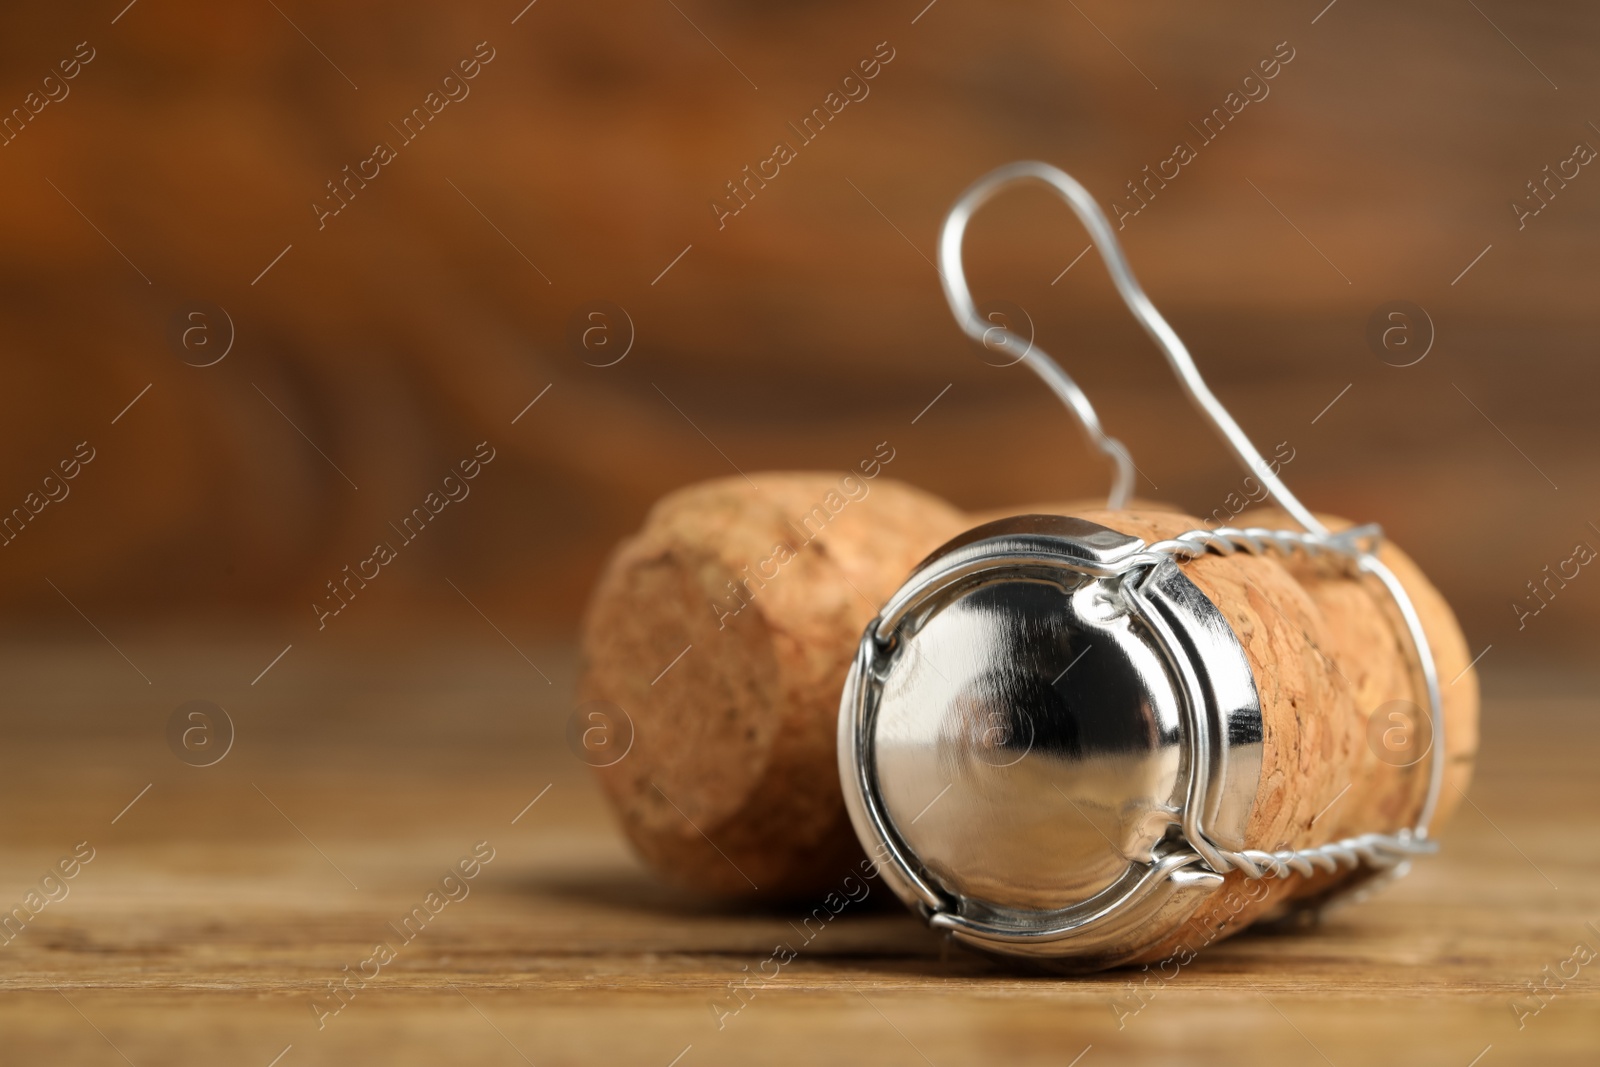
731 785
763 588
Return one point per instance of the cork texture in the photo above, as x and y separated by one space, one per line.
732 785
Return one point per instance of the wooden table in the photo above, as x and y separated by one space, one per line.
220 905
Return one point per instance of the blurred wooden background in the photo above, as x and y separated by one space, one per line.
180 164
379 350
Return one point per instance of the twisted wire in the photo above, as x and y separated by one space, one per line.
1347 545
1376 850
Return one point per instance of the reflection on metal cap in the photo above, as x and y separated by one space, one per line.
1027 729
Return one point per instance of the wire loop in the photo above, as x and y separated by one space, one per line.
1357 546
959 296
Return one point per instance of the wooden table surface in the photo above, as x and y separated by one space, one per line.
219 906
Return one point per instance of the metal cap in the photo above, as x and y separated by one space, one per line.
1021 747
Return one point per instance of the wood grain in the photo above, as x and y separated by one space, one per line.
206 922
416 324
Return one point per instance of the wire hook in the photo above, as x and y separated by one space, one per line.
959 295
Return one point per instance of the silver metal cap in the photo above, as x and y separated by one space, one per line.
1020 751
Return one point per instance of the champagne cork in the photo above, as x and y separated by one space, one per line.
1329 657
731 785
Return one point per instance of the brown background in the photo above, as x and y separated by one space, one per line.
378 351
806 331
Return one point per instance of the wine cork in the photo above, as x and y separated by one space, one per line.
763 588
732 787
